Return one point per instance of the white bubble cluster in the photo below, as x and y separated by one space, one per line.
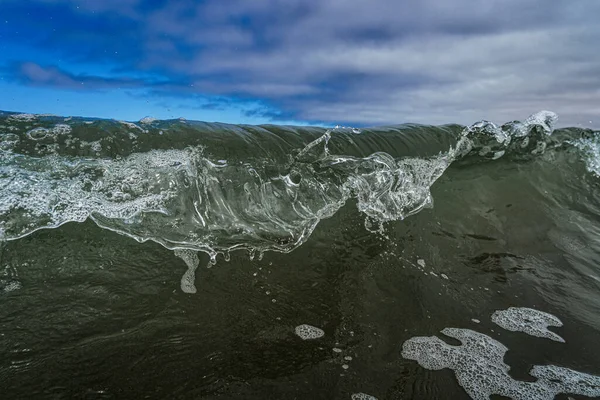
192 261
50 191
23 117
61 129
545 119
147 120
131 125
480 369
491 141
590 147
9 286
8 141
42 133
529 321
362 396
309 332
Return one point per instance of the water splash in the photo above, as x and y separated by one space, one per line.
590 147
267 194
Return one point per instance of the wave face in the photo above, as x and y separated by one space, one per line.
510 249
216 187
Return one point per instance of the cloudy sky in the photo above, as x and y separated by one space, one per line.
328 62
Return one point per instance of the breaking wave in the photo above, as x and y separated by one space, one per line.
216 188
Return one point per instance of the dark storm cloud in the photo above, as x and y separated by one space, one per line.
346 61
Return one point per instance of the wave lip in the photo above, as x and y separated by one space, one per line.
216 188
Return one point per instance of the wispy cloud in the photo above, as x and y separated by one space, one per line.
38 75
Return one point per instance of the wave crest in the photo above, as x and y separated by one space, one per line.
267 191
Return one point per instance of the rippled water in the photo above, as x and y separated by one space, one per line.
375 237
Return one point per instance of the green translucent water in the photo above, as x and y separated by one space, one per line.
87 311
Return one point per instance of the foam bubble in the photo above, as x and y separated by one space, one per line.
545 119
49 191
95 146
309 332
23 117
362 396
61 129
480 369
42 133
529 321
38 133
192 261
9 286
528 137
147 120
129 124
8 141
591 151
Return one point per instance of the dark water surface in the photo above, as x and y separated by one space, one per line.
88 312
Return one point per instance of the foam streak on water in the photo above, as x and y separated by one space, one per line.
479 361
191 260
480 369
528 320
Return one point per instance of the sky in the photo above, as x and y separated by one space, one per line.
318 62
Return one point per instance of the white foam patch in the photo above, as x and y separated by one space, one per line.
545 119
95 146
23 117
189 277
38 133
362 396
42 133
62 129
480 369
10 286
8 141
309 332
49 191
131 125
147 120
529 321
591 150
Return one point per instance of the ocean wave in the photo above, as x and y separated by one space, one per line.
216 188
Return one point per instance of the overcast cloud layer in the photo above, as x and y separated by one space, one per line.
331 61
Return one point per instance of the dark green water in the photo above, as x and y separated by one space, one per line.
86 311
